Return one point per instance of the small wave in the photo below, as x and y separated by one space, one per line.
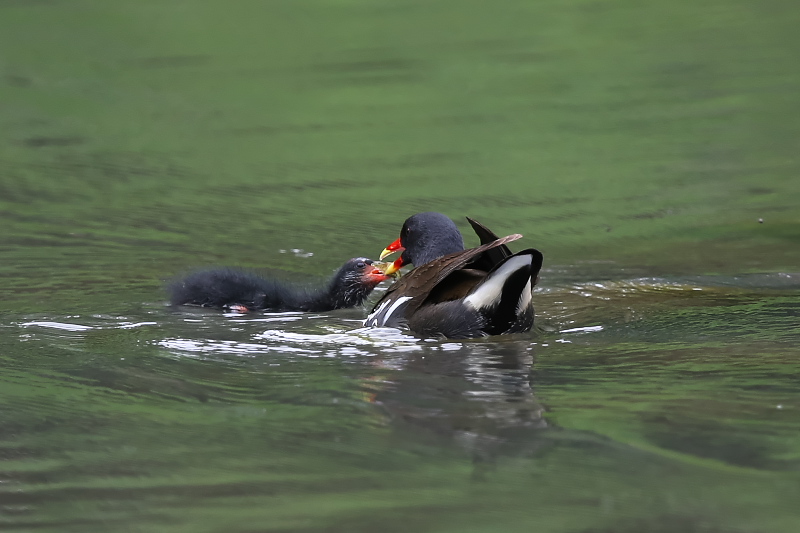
57 325
189 347
587 329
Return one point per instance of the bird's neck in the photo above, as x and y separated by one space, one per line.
332 295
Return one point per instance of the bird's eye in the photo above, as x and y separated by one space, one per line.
361 264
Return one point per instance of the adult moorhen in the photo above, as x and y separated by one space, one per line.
238 290
453 292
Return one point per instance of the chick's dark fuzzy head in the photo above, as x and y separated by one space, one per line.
354 281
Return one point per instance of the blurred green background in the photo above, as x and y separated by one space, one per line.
652 134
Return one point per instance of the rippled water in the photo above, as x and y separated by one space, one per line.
648 150
643 404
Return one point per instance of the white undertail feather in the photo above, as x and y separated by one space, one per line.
525 298
489 292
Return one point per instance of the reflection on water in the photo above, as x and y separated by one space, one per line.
478 396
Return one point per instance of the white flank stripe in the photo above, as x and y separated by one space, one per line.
370 321
394 307
490 290
379 317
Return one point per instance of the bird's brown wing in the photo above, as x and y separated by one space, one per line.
421 281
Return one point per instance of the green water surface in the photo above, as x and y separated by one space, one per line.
649 149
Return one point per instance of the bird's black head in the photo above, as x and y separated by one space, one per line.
353 282
428 236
